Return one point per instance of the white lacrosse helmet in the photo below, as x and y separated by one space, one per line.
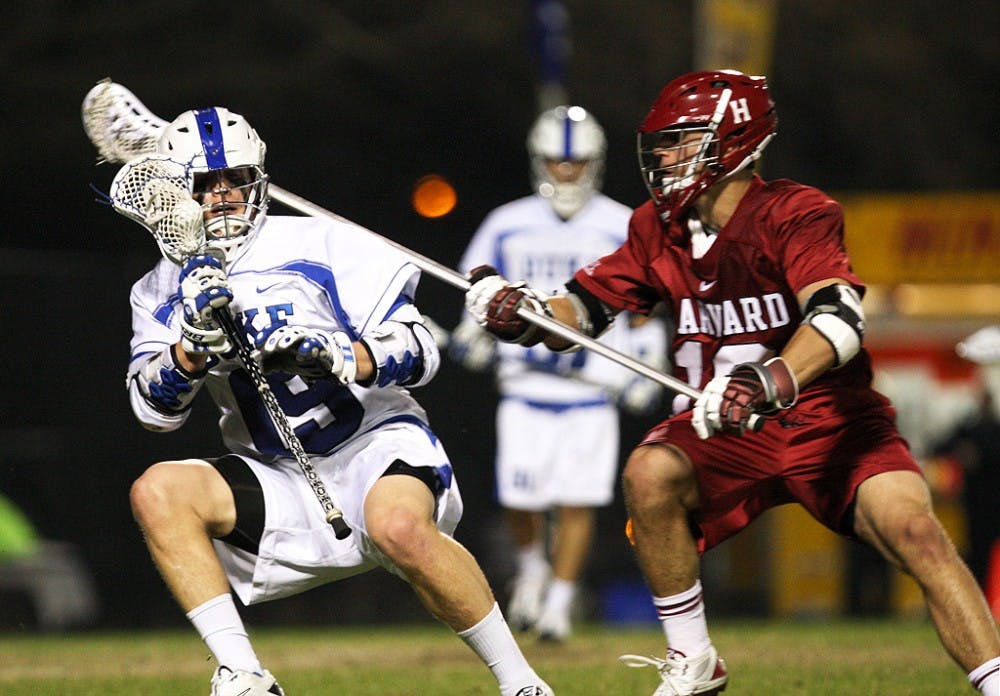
217 141
567 134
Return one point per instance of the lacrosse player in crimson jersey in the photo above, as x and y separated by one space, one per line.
330 308
557 420
769 324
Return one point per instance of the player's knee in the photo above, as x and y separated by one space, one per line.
402 534
165 491
150 494
656 475
921 536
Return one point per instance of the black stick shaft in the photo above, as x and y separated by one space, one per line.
246 354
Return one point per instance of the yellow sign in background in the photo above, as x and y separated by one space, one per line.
924 237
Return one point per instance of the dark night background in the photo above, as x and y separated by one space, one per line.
356 101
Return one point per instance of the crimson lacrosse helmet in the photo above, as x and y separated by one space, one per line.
703 127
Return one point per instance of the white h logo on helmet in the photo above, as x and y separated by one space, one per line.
741 112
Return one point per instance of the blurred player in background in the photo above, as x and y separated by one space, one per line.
974 445
768 323
557 420
331 310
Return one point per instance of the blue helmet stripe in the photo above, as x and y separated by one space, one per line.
210 130
567 138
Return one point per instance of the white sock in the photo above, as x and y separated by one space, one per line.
220 626
560 595
683 619
531 559
493 642
986 677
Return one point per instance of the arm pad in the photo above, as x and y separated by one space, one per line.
403 353
161 392
593 316
835 312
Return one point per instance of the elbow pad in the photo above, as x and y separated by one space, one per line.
835 312
403 353
161 391
592 315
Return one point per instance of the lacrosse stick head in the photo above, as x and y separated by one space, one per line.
118 124
225 158
154 192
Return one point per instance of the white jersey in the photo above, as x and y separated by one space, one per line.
526 240
299 271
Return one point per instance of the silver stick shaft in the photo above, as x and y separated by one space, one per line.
452 277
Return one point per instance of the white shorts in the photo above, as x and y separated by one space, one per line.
549 456
298 549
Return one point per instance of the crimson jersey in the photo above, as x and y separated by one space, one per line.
737 302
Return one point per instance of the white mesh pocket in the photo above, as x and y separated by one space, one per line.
153 191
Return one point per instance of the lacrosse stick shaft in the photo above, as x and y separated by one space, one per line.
452 277
333 514
111 104
145 127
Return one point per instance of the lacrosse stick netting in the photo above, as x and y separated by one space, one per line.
118 124
153 191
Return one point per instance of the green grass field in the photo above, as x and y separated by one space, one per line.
841 658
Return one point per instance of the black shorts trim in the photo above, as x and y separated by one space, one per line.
249 499
427 474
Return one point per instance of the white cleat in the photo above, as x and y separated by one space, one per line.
229 682
525 604
685 676
539 688
553 626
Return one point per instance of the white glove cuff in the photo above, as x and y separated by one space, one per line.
347 374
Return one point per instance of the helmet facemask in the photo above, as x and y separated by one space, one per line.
224 159
567 197
567 138
232 199
678 164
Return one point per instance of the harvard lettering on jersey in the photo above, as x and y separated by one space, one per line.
352 282
737 302
526 240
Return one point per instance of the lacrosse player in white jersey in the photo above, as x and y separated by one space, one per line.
557 420
330 309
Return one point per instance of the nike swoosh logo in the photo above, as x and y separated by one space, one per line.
267 287
702 287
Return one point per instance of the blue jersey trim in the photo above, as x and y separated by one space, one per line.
444 471
559 407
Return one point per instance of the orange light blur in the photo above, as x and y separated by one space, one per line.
433 196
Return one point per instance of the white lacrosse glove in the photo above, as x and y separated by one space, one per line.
203 288
728 401
472 346
313 354
493 301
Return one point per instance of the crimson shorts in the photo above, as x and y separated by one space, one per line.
816 454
